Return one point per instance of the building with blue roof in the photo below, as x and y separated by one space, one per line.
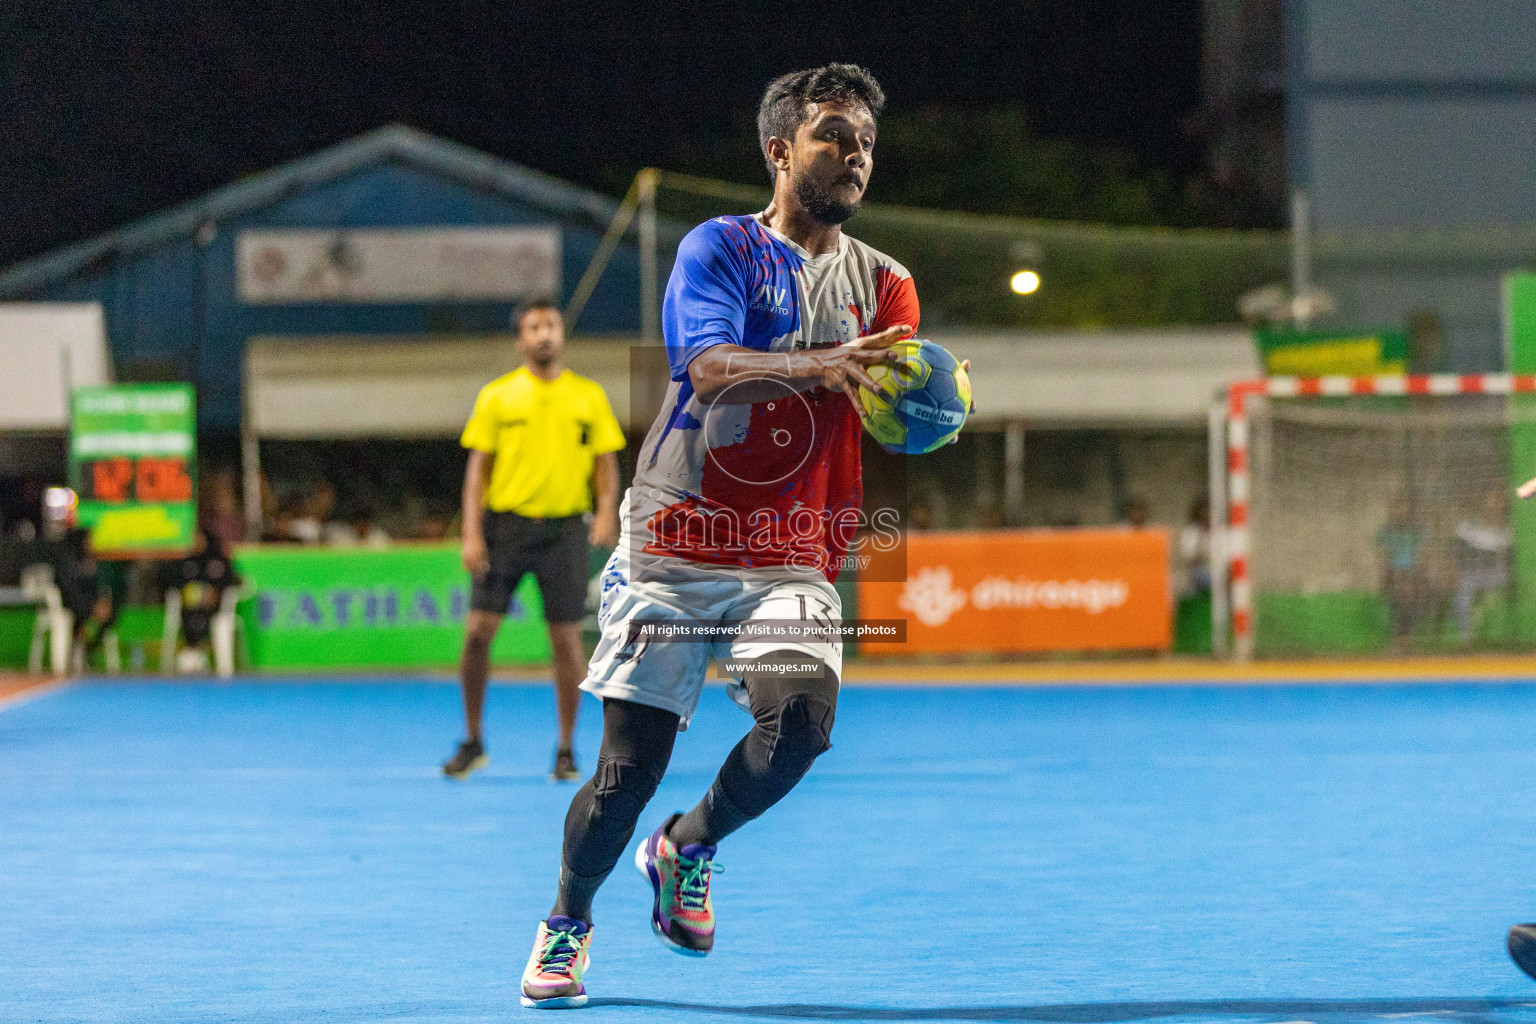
465 234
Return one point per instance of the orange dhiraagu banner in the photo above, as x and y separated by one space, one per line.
1026 590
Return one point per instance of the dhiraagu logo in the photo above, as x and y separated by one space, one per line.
931 595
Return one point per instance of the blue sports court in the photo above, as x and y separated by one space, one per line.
263 852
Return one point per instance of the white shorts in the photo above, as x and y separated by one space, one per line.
669 674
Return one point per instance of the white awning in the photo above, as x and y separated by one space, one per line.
346 386
46 350
333 387
1105 377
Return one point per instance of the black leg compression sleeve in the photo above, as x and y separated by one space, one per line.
793 726
637 744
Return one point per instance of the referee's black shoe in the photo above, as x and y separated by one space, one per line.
470 757
565 769
1522 947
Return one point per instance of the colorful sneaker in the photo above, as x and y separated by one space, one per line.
561 952
681 915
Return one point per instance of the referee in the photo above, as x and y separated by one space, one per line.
541 447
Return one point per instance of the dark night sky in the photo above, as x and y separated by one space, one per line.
112 111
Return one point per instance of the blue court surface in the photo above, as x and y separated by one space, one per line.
273 852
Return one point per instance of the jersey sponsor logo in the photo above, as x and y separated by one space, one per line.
770 300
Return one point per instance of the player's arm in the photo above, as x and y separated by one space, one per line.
1527 489
472 545
742 376
605 501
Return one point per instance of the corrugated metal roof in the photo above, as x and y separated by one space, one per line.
395 143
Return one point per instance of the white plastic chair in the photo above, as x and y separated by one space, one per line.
221 631
111 655
170 631
54 622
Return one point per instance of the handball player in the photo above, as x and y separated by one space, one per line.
746 492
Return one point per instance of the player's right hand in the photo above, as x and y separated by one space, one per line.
476 559
1527 489
846 362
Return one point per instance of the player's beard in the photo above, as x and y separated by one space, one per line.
819 202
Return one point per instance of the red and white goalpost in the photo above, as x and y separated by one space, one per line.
1236 552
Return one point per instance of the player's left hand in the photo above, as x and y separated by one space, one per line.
605 530
865 352
1527 489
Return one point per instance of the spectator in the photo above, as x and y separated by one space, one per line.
362 530
201 577
311 514
1483 545
1195 549
83 586
1137 513
1399 541
437 523
221 508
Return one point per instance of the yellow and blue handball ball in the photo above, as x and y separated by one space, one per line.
921 401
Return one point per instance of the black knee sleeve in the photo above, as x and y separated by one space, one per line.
621 788
785 741
637 742
798 730
603 815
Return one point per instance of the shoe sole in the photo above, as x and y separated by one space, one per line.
1522 947
644 864
469 769
556 1002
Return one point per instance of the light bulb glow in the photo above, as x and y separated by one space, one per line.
1025 282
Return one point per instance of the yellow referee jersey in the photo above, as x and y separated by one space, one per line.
545 435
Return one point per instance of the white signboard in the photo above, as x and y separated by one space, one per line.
46 350
397 264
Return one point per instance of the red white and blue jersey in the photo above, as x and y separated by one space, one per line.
776 483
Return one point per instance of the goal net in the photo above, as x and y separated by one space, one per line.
1388 524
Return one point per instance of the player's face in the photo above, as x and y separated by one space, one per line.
831 159
541 336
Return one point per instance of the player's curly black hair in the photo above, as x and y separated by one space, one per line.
783 108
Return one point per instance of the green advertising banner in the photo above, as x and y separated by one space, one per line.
396 607
1290 352
132 461
1520 357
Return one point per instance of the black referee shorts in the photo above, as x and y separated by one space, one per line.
554 550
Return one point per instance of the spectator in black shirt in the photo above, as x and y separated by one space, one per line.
201 577
83 587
